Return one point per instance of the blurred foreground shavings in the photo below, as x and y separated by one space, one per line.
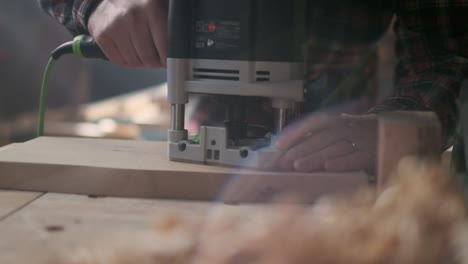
421 218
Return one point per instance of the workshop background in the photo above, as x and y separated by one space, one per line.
88 98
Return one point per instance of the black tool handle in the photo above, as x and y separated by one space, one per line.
90 49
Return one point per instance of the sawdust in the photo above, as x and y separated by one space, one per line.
420 218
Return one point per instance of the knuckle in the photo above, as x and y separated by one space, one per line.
98 33
120 19
133 13
104 40
149 60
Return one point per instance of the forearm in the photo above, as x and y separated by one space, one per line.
73 14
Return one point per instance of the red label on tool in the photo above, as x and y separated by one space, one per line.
212 27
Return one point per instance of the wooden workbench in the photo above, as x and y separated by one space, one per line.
35 227
37 222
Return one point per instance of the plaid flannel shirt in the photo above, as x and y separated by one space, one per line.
73 14
432 45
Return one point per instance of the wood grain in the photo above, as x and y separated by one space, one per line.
59 223
141 169
11 201
406 133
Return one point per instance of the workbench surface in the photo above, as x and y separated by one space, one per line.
37 226
72 177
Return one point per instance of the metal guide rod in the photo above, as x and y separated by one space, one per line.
282 114
177 117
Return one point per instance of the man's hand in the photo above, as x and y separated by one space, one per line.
330 142
132 33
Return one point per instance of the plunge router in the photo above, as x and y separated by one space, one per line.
237 51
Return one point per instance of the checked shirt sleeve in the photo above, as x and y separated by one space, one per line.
432 51
73 14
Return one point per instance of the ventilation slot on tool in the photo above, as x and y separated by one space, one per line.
263 76
216 74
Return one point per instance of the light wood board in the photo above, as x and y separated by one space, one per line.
12 201
141 169
56 224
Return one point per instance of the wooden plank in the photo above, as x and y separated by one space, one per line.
2 148
58 223
141 169
12 201
406 133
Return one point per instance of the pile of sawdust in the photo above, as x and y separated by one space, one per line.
421 218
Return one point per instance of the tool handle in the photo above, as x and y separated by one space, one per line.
89 48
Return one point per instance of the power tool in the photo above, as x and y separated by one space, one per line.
236 51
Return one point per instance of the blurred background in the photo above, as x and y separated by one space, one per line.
88 98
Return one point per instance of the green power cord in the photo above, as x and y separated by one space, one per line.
82 46
43 97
